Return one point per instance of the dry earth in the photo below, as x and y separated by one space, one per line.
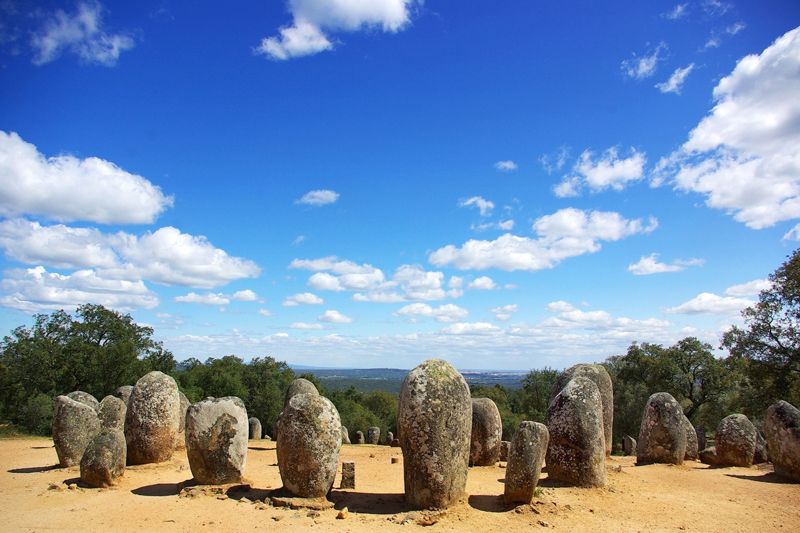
35 496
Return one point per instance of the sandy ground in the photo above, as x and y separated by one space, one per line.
34 496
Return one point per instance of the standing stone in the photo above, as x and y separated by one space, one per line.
103 461
345 436
762 455
395 443
299 386
216 440
85 398
348 475
628 445
702 443
692 451
434 419
782 429
528 449
736 441
153 419
504 447
309 440
389 438
487 431
180 439
359 437
709 456
602 379
124 393
662 435
255 428
112 413
75 424
577 450
373 435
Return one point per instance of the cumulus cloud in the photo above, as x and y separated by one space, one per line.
443 313
504 225
609 171
209 298
319 197
675 82
506 166
304 298
483 283
245 295
677 12
641 67
66 188
264 312
484 206
334 317
709 303
81 33
504 312
751 288
649 264
566 233
743 156
305 325
312 19
471 328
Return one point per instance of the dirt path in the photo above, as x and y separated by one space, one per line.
691 497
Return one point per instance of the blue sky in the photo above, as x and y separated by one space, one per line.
506 185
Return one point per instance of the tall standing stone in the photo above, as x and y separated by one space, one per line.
345 435
486 434
735 441
103 461
628 445
662 434
254 427
75 424
600 376
525 458
153 419
373 435
389 438
299 386
577 450
216 440
359 437
112 413
782 430
505 446
434 419
702 443
692 450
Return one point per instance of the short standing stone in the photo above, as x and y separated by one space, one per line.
180 439
299 386
389 438
628 445
702 444
345 436
395 443
112 413
487 431
692 451
103 461
124 393
576 453
359 437
309 440
153 419
602 379
735 441
85 398
782 429
761 455
525 458
348 475
75 424
255 428
434 420
373 435
708 456
216 440
504 447
662 435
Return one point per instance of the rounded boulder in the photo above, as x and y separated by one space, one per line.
486 434
216 440
85 398
600 376
782 431
75 424
662 434
153 419
103 461
525 458
254 428
112 413
373 435
735 441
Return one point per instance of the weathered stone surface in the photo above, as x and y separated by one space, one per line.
85 398
782 429
504 447
124 393
389 438
180 439
345 435
103 461
735 441
309 440
761 455
348 475
434 420
359 437
153 419
602 379
216 440
576 453
702 443
628 445
662 435
299 386
487 431
112 413
692 451
254 425
373 435
75 424
709 456
525 458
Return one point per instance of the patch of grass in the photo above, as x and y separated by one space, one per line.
538 492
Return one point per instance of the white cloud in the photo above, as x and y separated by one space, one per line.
334 317
505 225
483 283
559 306
607 172
751 288
264 312
59 246
246 295
504 312
640 67
743 156
649 264
570 318
319 197
66 188
305 298
554 162
305 325
484 206
716 8
333 274
471 328
298 240
313 18
675 82
717 36
443 313
566 233
506 166
35 290
677 12
208 298
709 303
81 33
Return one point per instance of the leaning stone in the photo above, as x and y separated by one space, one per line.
434 419
359 437
762 455
782 429
345 436
348 475
662 435
309 440
709 456
487 431
75 424
254 425
124 393
628 445
389 438
691 441
299 386
373 435
85 398
112 413
504 447
576 453
153 419
602 379
103 461
528 449
216 440
736 441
